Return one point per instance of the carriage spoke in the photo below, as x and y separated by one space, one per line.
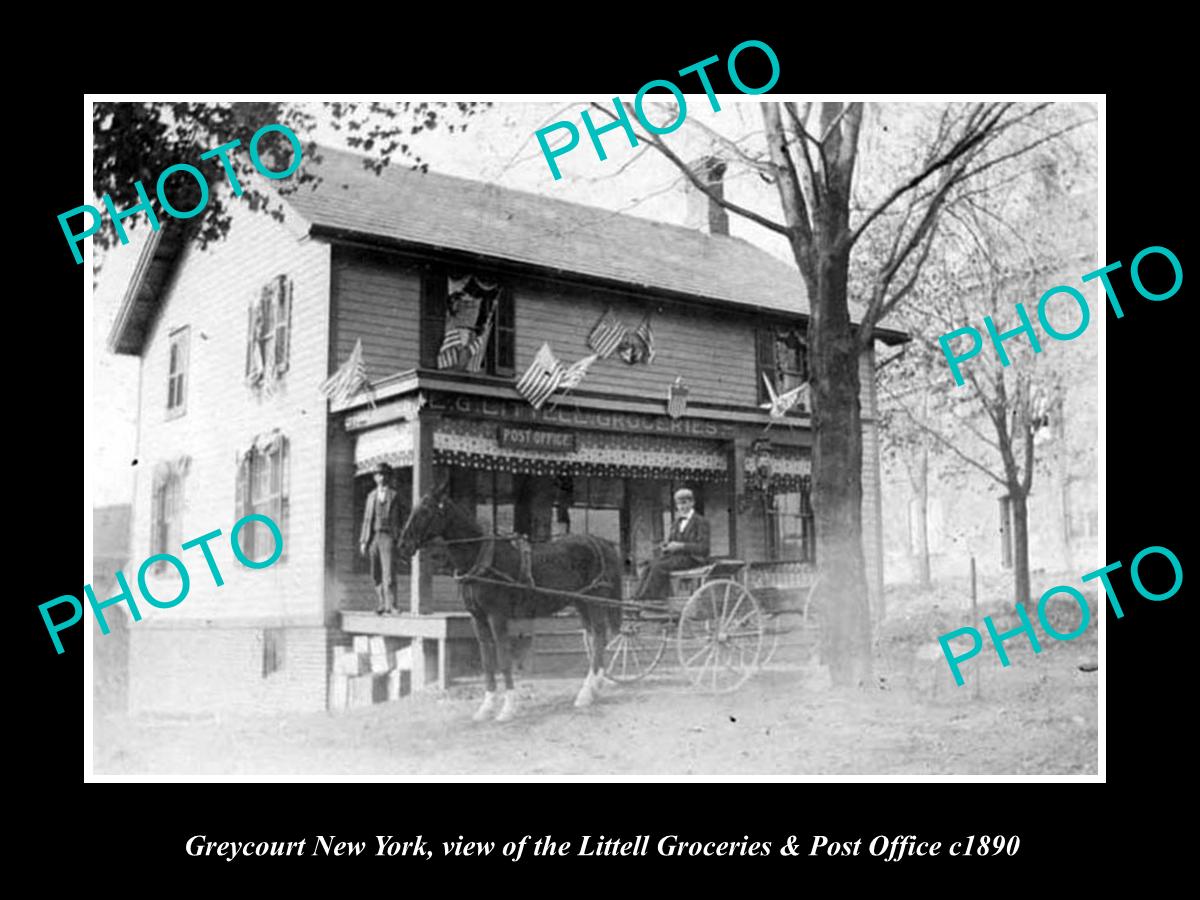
736 607
725 601
706 646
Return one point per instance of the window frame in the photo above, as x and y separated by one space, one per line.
269 467
177 396
501 356
166 514
767 361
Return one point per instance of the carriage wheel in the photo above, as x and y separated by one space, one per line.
721 631
634 650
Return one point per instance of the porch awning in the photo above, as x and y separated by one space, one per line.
391 444
475 445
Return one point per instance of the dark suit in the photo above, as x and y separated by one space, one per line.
656 581
381 529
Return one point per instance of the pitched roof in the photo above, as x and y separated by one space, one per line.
483 218
441 211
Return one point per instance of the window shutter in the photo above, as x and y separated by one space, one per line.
504 351
283 325
766 362
433 316
283 503
251 340
156 512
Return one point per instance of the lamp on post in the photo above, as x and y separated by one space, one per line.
759 481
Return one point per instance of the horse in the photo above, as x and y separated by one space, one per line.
537 580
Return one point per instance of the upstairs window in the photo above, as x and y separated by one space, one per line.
177 367
268 332
468 324
783 358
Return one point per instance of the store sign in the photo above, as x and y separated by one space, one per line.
553 440
600 420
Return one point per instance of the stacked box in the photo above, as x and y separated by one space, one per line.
382 662
399 683
366 690
377 645
348 662
362 644
403 659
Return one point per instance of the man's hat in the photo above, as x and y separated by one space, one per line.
382 469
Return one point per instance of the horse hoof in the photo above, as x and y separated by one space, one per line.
585 698
485 711
508 711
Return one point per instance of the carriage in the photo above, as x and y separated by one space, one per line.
725 620
723 632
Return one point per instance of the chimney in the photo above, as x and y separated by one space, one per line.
703 212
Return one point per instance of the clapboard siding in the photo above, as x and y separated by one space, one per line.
713 352
376 298
211 293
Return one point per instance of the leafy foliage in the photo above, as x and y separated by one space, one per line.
136 141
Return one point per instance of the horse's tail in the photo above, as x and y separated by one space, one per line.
615 571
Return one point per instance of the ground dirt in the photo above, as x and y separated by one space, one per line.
1037 716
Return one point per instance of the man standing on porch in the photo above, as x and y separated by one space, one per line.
381 529
685 548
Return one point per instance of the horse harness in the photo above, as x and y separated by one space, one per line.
484 571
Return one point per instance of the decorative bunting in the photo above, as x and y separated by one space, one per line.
465 298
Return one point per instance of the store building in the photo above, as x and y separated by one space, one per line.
235 340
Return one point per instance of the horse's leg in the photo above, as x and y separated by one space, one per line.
487 650
499 624
594 624
587 693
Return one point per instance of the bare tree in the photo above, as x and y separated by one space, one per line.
1001 249
811 152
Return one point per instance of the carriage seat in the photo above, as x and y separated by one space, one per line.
718 568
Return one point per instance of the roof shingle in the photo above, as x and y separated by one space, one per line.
478 217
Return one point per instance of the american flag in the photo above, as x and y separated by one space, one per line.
348 379
607 335
646 333
541 379
574 373
455 339
779 404
478 344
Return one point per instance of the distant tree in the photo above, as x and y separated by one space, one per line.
830 200
136 141
1003 247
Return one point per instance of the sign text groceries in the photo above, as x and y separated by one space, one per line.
221 153
1026 627
622 115
126 594
1026 327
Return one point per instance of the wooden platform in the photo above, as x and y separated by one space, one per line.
444 646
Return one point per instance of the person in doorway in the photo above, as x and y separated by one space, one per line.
381 527
685 548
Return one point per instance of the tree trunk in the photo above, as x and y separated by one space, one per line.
1020 527
837 476
920 484
921 491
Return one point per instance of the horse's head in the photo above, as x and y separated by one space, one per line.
427 521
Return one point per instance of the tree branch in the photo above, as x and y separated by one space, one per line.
662 148
942 439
